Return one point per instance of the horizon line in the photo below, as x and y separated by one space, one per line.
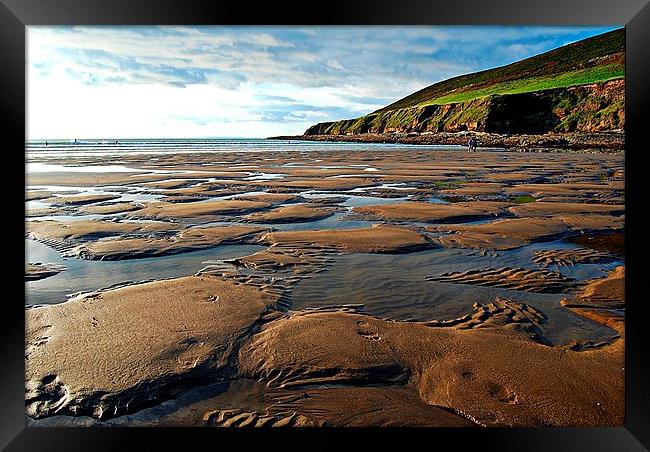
156 138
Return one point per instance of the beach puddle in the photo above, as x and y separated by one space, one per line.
84 276
264 176
358 201
339 220
395 287
353 199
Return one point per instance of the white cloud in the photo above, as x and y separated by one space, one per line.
230 81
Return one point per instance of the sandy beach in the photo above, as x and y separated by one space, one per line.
344 285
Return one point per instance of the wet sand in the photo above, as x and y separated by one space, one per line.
410 287
292 213
36 271
434 213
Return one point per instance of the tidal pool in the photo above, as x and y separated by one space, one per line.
84 275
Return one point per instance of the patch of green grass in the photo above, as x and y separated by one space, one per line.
573 78
522 199
593 52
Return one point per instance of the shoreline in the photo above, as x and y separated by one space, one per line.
558 142
272 273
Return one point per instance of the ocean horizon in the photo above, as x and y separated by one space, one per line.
108 146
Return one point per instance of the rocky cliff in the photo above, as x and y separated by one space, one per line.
596 107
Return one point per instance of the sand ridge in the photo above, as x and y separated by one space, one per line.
36 270
452 368
553 208
607 292
513 233
429 212
563 258
35 195
541 281
77 200
161 210
376 239
186 240
292 213
176 329
90 229
118 207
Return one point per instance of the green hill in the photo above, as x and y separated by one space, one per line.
537 87
591 60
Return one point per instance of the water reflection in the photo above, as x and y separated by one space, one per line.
394 286
84 275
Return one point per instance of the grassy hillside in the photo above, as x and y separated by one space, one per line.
573 78
591 60
578 87
595 107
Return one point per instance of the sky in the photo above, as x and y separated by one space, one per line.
243 81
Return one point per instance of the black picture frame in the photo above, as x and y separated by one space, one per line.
16 14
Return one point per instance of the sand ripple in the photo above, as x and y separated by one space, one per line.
542 281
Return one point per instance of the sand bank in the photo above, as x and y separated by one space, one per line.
540 209
293 213
107 209
451 367
78 200
35 271
45 230
517 232
433 213
376 239
161 210
35 195
605 293
112 352
186 240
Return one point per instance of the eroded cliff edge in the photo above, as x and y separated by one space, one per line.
599 107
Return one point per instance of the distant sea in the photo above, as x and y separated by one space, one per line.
113 146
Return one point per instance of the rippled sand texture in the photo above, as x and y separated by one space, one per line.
410 287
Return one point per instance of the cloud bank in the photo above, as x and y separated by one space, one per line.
248 81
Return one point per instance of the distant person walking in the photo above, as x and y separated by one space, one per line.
471 144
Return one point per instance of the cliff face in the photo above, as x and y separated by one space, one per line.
590 60
597 107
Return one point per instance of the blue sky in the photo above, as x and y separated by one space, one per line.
240 81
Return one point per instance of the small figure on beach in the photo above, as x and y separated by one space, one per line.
471 144
45 142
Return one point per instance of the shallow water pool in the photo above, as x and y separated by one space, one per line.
84 275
